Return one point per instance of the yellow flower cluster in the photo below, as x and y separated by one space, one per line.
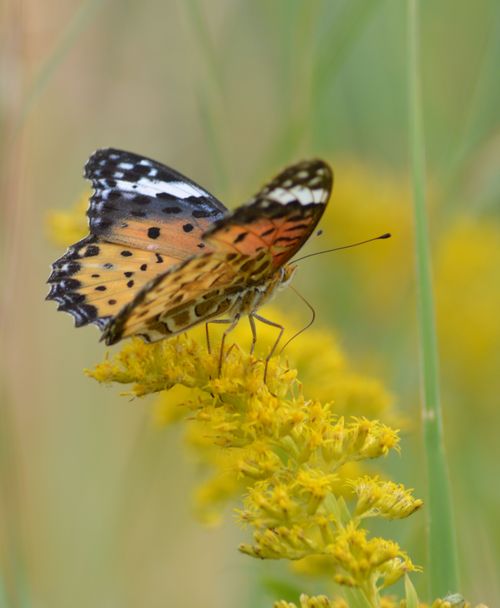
383 499
293 458
321 601
147 369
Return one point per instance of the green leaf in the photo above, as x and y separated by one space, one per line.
355 598
345 514
411 594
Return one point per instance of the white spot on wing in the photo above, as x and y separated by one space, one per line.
319 195
305 196
282 196
151 187
126 166
185 190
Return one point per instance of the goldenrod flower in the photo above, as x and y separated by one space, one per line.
317 601
287 454
321 601
383 498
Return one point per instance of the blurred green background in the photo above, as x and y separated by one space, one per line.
95 500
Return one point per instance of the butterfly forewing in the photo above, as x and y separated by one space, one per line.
143 218
139 202
281 217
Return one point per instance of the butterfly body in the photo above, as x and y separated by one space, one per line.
223 298
164 255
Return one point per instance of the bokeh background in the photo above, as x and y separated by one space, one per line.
95 500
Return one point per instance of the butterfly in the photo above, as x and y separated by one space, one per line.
164 255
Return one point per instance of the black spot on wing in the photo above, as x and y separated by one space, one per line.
241 237
153 232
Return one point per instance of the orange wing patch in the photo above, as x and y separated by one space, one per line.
282 236
176 237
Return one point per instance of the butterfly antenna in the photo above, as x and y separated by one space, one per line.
387 235
313 317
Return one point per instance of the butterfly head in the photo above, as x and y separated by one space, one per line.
286 273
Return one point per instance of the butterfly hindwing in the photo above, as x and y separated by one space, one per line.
201 288
142 203
143 218
281 217
94 279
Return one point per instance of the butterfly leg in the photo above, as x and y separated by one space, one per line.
254 333
233 322
207 333
272 324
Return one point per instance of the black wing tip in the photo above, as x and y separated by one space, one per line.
102 156
317 167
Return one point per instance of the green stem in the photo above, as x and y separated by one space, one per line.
442 566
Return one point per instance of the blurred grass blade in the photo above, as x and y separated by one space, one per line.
442 566
206 47
210 96
337 35
212 137
411 594
82 18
